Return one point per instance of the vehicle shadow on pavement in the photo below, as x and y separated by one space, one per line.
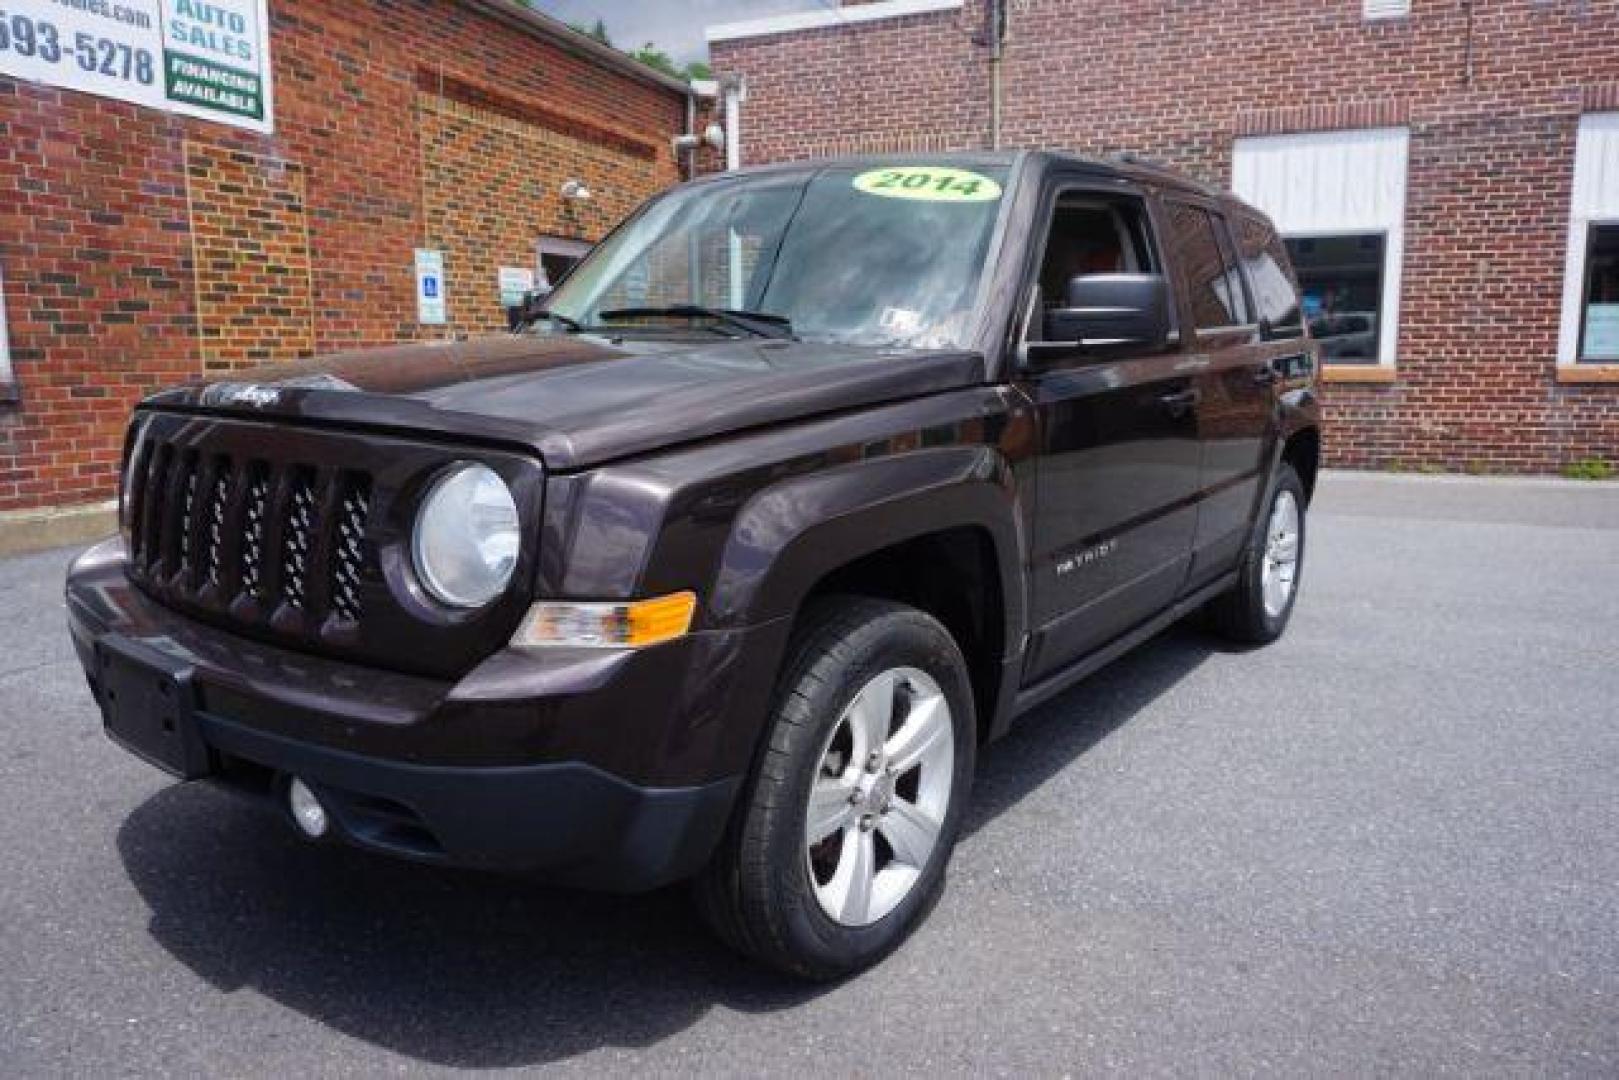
468 970
1053 736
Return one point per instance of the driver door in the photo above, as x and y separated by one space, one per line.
1117 477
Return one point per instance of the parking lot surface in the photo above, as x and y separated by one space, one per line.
1389 843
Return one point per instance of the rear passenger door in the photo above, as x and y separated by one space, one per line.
1236 401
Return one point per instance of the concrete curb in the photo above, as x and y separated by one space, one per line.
1464 480
37 530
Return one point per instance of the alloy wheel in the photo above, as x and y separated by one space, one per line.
1281 566
880 795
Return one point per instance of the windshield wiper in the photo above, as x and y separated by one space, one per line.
573 326
758 323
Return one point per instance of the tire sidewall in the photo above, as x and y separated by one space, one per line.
898 639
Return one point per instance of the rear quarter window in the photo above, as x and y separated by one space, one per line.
1270 276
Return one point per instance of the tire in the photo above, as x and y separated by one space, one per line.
1245 614
795 906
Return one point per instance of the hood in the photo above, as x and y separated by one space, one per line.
581 399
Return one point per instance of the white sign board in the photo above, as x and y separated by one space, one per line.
207 58
1601 332
516 282
429 287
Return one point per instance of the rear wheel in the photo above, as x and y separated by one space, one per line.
1256 610
840 846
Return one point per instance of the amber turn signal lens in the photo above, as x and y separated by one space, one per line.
634 624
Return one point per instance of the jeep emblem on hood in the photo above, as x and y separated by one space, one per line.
259 397
264 395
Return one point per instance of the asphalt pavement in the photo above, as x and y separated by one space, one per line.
1387 844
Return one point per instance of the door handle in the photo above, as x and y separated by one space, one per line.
1179 402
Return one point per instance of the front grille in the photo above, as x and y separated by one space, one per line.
296 538
297 535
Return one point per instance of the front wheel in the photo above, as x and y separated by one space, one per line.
840 846
1257 608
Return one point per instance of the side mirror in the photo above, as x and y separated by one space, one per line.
1112 311
517 315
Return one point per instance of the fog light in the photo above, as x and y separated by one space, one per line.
307 812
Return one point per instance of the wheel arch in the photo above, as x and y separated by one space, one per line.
937 529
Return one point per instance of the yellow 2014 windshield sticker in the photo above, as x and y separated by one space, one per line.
928 183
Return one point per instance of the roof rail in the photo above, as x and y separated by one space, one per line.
1153 165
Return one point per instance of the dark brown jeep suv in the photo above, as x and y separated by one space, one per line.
725 564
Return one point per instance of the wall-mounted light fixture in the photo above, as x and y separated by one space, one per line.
575 189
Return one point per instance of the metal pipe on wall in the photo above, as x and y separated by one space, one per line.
996 17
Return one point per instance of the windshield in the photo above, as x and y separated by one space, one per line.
885 256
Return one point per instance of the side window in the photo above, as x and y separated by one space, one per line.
1276 296
1214 286
1092 233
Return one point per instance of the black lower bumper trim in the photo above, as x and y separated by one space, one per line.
567 822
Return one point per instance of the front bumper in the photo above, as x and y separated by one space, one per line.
604 768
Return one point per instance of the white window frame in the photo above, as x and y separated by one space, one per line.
1336 183
5 340
835 14
1595 201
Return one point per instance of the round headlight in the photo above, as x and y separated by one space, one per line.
467 537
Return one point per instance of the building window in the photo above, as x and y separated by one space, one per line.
1590 325
1599 321
555 258
1385 9
1341 283
1338 200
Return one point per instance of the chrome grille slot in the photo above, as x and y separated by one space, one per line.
187 516
213 521
349 545
255 517
298 540
153 497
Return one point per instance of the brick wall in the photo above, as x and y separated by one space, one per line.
249 257
490 183
1491 92
138 247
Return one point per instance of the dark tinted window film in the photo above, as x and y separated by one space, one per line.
1599 319
1214 289
1341 278
1276 297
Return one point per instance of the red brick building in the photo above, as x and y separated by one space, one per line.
142 244
1447 172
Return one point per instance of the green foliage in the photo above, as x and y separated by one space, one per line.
1589 469
599 31
655 58
648 54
